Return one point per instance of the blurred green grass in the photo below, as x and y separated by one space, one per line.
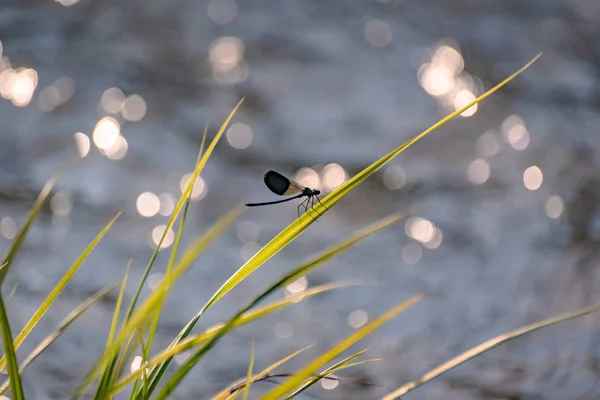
135 331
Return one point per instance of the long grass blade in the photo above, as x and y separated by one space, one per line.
108 373
184 195
296 379
227 393
9 351
290 277
39 313
311 264
62 326
252 315
246 388
482 348
145 310
22 233
298 226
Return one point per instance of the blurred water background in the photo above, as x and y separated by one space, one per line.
510 236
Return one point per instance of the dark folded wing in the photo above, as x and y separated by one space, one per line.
281 185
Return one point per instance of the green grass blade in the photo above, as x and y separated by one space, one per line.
249 376
197 340
142 314
290 277
64 324
20 237
482 348
108 373
323 374
227 393
9 351
296 379
299 225
57 289
184 195
326 255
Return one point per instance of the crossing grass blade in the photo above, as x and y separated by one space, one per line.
326 255
482 348
296 379
45 306
64 324
299 225
311 381
252 315
246 388
233 389
146 309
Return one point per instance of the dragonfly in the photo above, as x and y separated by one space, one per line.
283 186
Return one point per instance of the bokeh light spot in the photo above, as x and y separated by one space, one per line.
157 233
83 143
239 135
147 204
554 207
357 318
284 330
333 176
478 171
8 228
463 98
533 178
112 100
378 33
198 191
134 108
106 133
412 253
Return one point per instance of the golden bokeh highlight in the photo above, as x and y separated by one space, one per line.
444 78
147 204
118 150
308 177
106 133
82 142
18 85
533 178
333 176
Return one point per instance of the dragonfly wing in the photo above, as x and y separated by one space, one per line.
280 185
294 188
